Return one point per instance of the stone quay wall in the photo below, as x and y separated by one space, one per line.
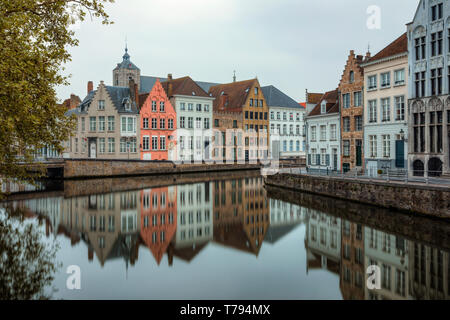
427 200
93 168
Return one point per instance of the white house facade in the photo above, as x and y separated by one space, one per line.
286 123
385 109
429 88
323 135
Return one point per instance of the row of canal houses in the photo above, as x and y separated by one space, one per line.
390 111
155 118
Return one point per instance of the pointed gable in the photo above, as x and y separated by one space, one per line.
231 96
332 100
183 86
398 46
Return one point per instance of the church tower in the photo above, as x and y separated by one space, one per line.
125 71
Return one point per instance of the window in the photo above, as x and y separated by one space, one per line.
399 77
373 146
145 123
123 145
420 48
190 106
352 76
251 102
278 116
400 108
154 109
146 143
272 115
111 124
162 123
182 106
284 116
313 156
216 123
372 82
154 143
111 145
358 123
346 124
323 157
436 81
206 107
346 148
199 107
92 124
101 104
386 146
436 43
323 133
313 133
102 146
385 80
256 91
420 84
372 111
162 143
357 99
190 122
101 123
346 100
182 122
436 12
386 109
323 108
206 123
162 106
261 103
333 132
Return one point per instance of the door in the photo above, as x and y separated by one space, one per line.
400 154
358 153
93 149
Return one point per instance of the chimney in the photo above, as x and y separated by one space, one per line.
169 77
90 87
90 254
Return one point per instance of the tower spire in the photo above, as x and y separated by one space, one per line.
234 76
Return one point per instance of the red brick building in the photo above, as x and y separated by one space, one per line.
158 121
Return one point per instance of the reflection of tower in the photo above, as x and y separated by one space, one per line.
352 275
158 219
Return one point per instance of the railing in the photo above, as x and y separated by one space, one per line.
394 175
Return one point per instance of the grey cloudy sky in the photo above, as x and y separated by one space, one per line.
292 44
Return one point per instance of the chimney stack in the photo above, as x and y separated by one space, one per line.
133 91
170 86
90 87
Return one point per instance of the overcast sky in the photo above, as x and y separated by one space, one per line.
291 44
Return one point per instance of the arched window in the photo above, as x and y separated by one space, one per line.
434 167
418 168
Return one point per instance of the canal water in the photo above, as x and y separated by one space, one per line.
221 238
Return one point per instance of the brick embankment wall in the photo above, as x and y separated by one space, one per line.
76 169
419 228
73 188
427 200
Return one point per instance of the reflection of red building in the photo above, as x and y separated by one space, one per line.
158 124
158 219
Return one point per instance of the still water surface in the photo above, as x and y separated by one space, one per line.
220 239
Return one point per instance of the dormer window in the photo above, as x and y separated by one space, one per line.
127 105
323 107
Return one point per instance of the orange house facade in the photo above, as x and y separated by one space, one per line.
158 219
158 125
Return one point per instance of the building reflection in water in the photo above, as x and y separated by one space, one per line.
182 220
